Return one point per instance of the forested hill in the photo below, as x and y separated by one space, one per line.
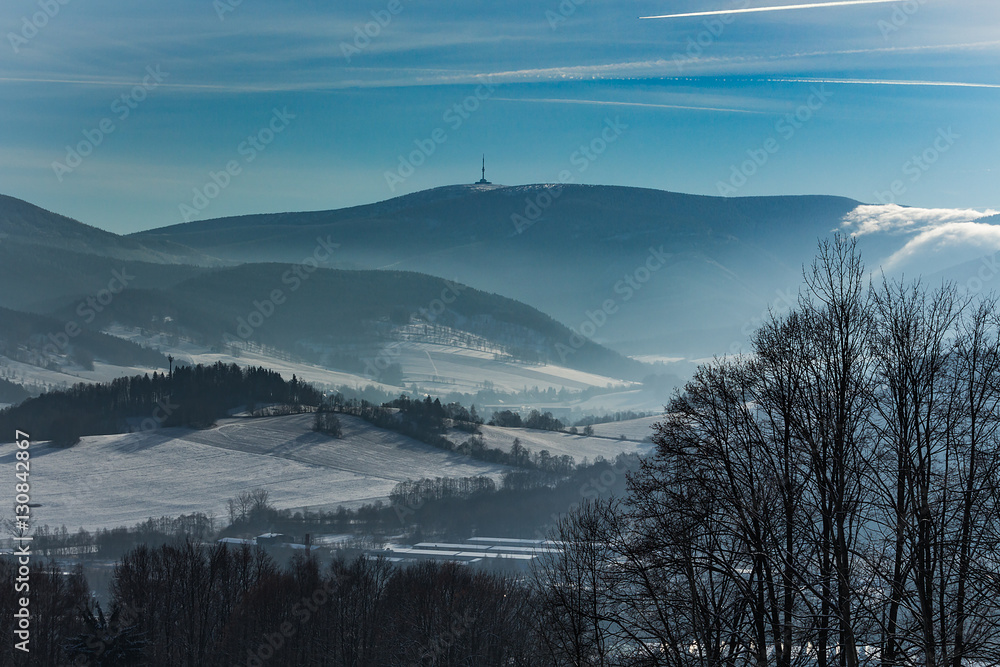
190 396
328 315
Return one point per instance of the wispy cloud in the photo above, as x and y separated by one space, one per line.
106 83
627 104
333 76
777 8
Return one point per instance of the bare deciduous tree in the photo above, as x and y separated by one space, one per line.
830 499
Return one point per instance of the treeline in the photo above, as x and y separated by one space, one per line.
190 396
612 417
429 420
411 493
432 415
490 395
185 605
420 420
535 419
526 502
105 543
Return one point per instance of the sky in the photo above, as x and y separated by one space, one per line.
141 114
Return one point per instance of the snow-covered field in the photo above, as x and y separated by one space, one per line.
558 444
447 368
34 376
625 399
108 481
633 429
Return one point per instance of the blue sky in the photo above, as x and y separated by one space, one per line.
831 100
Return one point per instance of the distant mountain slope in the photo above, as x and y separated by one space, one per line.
54 343
456 216
29 224
343 318
568 251
41 279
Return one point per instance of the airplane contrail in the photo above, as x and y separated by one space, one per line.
889 82
837 3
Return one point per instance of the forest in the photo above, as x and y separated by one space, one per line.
185 605
187 396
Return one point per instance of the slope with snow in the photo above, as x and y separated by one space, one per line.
632 429
559 444
108 481
434 368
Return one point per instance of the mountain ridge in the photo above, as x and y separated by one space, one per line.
29 224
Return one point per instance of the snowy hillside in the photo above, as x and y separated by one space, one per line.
434 368
559 444
108 481
633 429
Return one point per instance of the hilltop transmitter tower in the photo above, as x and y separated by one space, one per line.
484 181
